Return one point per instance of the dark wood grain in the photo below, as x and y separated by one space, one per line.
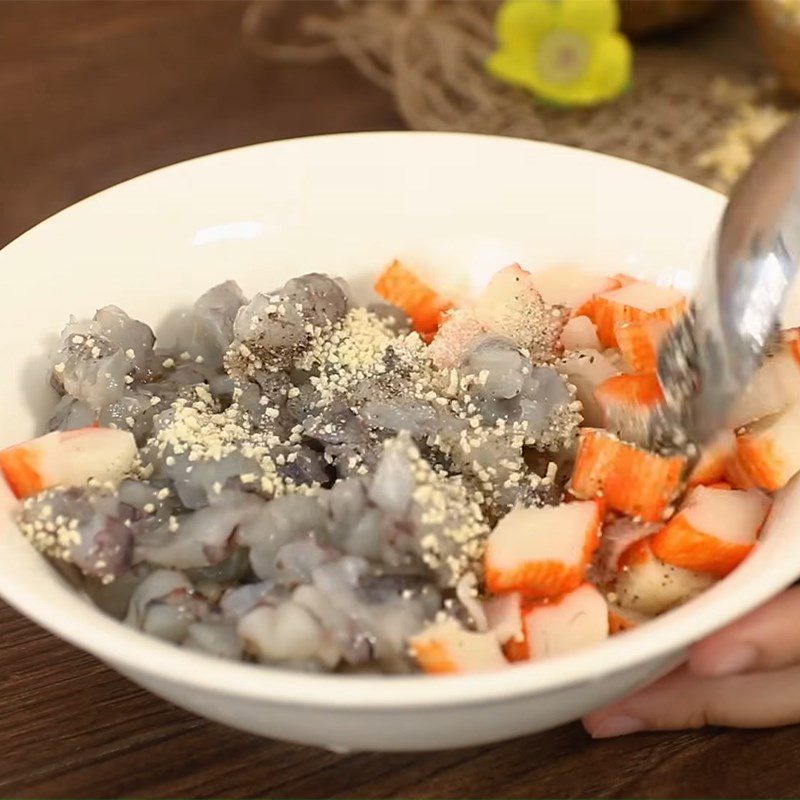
92 94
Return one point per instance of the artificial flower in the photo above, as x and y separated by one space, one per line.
567 52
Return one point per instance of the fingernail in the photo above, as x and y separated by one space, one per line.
732 660
620 725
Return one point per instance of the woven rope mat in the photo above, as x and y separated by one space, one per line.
429 55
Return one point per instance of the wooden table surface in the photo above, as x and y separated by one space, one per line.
92 94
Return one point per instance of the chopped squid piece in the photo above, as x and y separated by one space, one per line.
68 458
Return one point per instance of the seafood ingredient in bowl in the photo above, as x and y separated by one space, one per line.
302 481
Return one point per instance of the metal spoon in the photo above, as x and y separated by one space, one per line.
708 358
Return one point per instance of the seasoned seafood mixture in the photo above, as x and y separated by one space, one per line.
415 484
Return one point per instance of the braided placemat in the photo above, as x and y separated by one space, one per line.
698 107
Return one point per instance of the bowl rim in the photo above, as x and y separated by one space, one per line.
134 651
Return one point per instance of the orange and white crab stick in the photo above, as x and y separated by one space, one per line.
504 615
67 458
791 338
714 530
646 584
629 479
634 302
639 340
624 619
424 306
625 394
445 648
574 620
610 283
714 457
769 449
543 552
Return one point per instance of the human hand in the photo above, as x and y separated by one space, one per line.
745 676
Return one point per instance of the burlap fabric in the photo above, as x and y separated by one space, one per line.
429 55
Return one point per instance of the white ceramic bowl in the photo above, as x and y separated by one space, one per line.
459 205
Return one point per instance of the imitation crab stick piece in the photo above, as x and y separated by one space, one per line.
629 479
612 282
646 584
638 341
714 458
769 449
574 620
580 334
714 531
736 474
774 387
504 616
624 619
627 403
67 458
542 552
634 302
791 338
424 306
626 393
446 648
571 287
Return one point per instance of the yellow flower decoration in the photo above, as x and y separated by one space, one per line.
566 52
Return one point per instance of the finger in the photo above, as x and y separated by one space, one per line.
768 638
684 700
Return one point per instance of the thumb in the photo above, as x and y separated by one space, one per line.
684 700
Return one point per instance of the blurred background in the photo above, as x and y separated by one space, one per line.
92 93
